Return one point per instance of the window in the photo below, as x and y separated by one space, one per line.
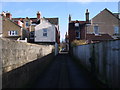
96 30
12 33
27 23
116 30
32 34
77 34
45 32
76 24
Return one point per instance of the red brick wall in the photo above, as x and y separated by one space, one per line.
72 33
82 32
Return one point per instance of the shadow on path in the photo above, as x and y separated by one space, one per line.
64 73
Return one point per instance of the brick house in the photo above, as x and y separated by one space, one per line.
77 29
10 29
104 26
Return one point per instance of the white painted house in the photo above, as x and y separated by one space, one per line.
45 32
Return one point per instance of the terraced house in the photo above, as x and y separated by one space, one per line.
104 26
10 29
31 23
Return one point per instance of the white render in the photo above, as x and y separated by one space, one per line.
44 24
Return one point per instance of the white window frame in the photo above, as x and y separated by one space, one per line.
77 25
78 34
96 30
45 34
116 30
13 33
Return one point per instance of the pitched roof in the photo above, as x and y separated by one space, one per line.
98 37
111 13
81 22
114 14
54 21
14 22
34 20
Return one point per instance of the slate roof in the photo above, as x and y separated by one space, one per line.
81 22
54 21
98 37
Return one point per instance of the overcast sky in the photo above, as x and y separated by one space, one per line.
57 9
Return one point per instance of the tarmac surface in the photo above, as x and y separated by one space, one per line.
63 72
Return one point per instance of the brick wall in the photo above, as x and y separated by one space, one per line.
72 32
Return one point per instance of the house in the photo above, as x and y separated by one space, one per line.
31 23
10 29
77 29
103 25
45 32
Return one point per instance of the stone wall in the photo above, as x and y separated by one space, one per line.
22 62
102 59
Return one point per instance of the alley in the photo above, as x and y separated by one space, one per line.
64 73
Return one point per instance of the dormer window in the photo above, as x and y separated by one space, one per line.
76 24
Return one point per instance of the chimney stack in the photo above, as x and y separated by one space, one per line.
69 17
3 14
38 15
87 15
8 15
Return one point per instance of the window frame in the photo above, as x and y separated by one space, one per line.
78 34
45 32
77 24
96 30
77 27
116 31
12 33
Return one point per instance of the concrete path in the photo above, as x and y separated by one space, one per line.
64 73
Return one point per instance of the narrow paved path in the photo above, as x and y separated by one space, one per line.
64 73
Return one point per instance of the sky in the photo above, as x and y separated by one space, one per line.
57 9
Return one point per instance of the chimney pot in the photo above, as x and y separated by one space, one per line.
87 15
8 15
38 15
